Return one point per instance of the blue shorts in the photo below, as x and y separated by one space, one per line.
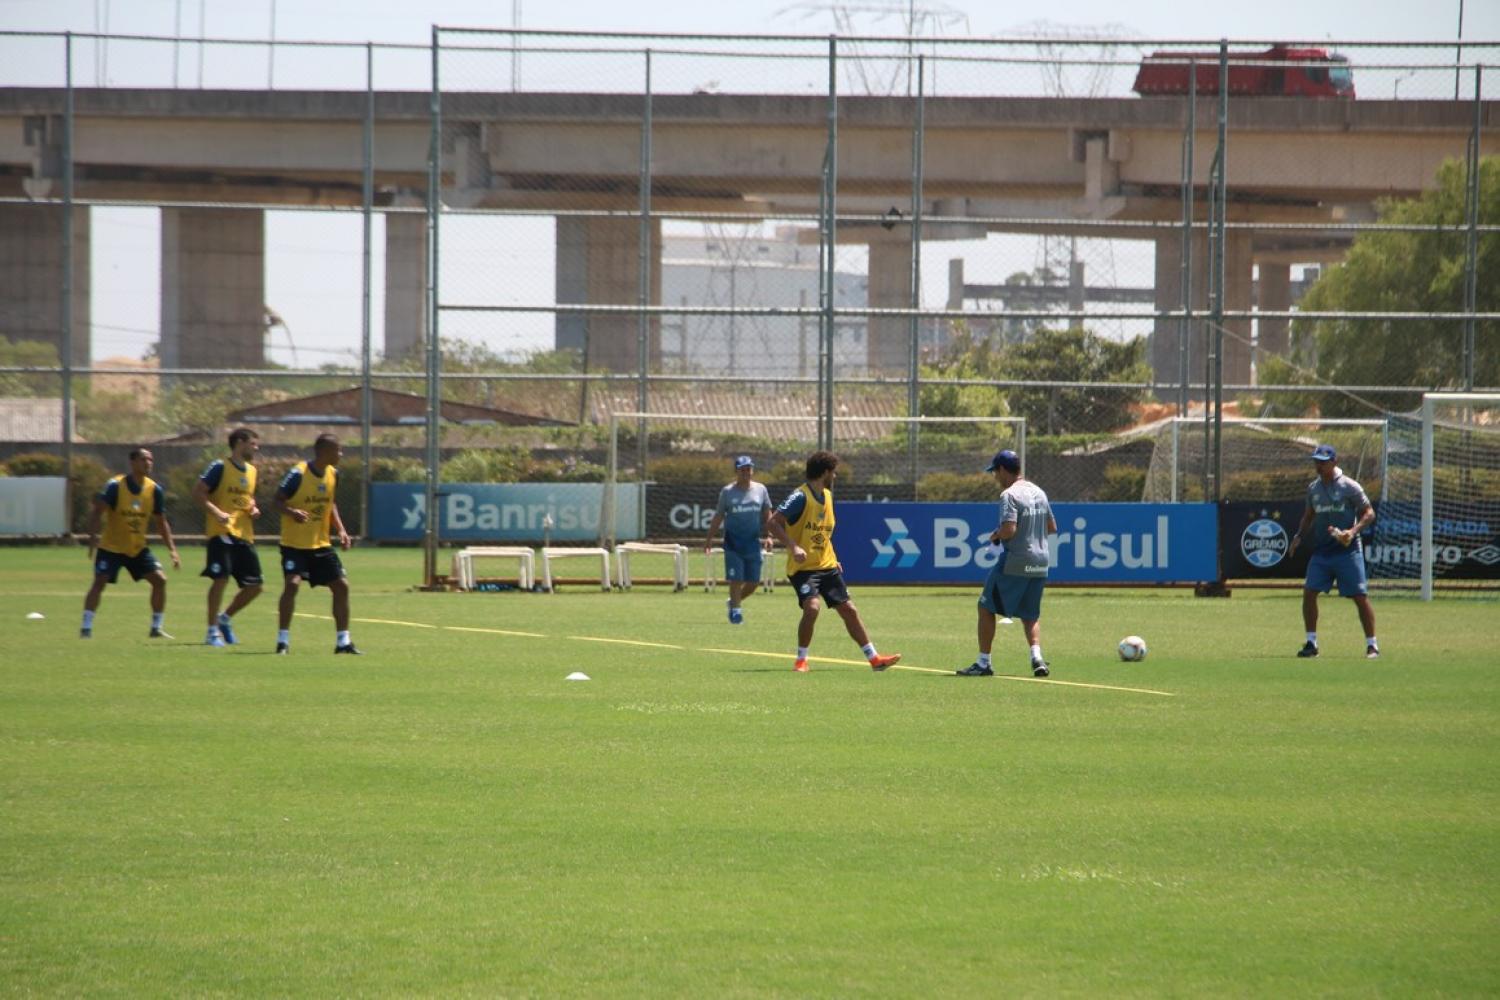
1346 567
1012 596
108 564
742 565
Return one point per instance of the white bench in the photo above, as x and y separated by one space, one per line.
550 554
463 563
679 554
769 562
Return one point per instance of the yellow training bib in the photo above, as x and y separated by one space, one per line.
125 522
814 532
315 495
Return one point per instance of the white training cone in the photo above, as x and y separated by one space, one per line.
36 616
1006 621
577 675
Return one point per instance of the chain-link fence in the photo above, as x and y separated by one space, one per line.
464 256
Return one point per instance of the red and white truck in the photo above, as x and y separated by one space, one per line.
1280 71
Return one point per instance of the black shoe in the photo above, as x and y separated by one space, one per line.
975 670
85 633
347 648
157 633
282 649
1372 652
1308 651
1039 669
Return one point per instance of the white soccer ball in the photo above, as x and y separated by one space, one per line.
1132 649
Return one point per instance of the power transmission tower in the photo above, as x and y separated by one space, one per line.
890 72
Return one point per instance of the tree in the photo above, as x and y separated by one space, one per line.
1072 355
1407 271
29 354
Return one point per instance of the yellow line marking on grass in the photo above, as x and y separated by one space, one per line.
494 631
372 621
624 642
933 670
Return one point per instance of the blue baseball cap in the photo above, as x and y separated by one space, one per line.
1324 453
1005 459
744 462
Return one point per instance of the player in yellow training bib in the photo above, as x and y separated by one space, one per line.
804 524
309 523
226 492
126 505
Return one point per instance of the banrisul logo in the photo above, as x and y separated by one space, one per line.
1264 541
899 540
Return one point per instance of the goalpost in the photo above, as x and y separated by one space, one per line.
1460 467
895 457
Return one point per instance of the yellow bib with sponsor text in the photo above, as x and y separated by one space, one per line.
814 532
125 523
314 495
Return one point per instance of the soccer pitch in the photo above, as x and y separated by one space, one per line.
446 815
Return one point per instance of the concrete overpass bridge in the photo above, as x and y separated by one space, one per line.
1060 166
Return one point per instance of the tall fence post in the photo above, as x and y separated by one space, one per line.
1185 327
829 241
913 361
367 196
643 277
1471 251
434 350
67 267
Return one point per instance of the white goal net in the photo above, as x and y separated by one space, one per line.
1439 521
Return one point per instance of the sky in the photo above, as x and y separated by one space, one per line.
313 261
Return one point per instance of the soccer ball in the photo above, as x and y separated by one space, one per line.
1132 649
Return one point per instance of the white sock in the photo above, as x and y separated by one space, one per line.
342 639
284 635
223 618
156 618
1312 637
801 652
1370 641
1036 653
213 633
984 659
88 619
869 650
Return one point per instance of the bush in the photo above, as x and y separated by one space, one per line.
977 487
1123 483
89 475
693 470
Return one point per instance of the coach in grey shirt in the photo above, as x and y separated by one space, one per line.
1015 584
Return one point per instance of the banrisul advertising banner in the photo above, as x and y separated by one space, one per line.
1095 542
501 512
683 511
33 505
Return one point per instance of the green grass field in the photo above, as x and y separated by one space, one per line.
447 815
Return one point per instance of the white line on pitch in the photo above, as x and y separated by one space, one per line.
494 631
623 642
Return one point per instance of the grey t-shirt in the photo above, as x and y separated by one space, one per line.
1026 550
741 510
1336 505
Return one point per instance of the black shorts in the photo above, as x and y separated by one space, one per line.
233 558
107 564
825 583
318 567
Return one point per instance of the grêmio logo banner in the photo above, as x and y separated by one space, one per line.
504 512
1095 543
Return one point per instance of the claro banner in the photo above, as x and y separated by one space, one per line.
33 505
1095 542
501 512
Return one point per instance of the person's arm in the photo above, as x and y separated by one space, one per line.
284 493
713 526
1366 518
777 527
96 514
201 490
1307 520
1009 518
338 525
765 525
165 530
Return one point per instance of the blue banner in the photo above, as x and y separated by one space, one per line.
502 512
1095 543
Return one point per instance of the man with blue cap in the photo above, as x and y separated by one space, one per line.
744 507
1015 584
1337 512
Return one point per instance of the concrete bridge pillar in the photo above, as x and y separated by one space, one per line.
598 263
1238 284
889 288
31 276
1273 294
213 288
405 284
